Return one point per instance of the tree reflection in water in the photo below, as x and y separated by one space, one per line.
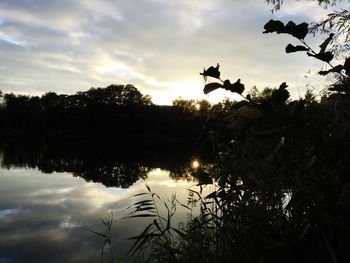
118 165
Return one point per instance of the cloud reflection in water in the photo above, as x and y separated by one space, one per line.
46 217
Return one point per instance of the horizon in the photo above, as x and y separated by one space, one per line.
159 47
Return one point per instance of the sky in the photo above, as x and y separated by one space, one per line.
159 46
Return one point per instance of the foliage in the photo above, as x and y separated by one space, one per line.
278 3
283 189
282 182
106 250
160 231
110 112
199 106
336 22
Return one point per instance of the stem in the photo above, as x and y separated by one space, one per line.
310 49
158 214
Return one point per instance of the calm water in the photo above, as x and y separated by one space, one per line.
45 215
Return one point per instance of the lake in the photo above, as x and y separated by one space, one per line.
51 200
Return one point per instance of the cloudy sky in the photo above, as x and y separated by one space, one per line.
159 46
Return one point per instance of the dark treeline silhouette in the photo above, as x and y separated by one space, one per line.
112 135
99 113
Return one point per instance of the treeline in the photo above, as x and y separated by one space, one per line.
98 113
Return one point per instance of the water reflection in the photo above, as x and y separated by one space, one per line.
114 166
46 217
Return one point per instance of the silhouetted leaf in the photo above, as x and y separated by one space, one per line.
290 27
324 45
211 72
237 87
146 208
347 66
301 31
212 195
283 86
326 56
140 194
97 233
211 87
142 215
290 48
274 26
180 233
281 95
336 69
146 202
144 236
227 84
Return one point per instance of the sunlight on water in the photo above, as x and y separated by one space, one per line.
195 164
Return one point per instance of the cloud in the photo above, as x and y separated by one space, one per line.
159 46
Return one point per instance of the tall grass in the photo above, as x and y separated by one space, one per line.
106 250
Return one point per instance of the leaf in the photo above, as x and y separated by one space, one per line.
336 69
138 238
289 28
143 203
227 84
237 87
274 26
140 194
212 195
211 72
140 203
326 56
97 233
143 215
211 87
180 233
283 85
301 31
347 66
290 48
324 45
147 208
281 95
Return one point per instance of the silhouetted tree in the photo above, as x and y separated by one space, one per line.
199 106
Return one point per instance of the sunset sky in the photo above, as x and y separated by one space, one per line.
160 46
